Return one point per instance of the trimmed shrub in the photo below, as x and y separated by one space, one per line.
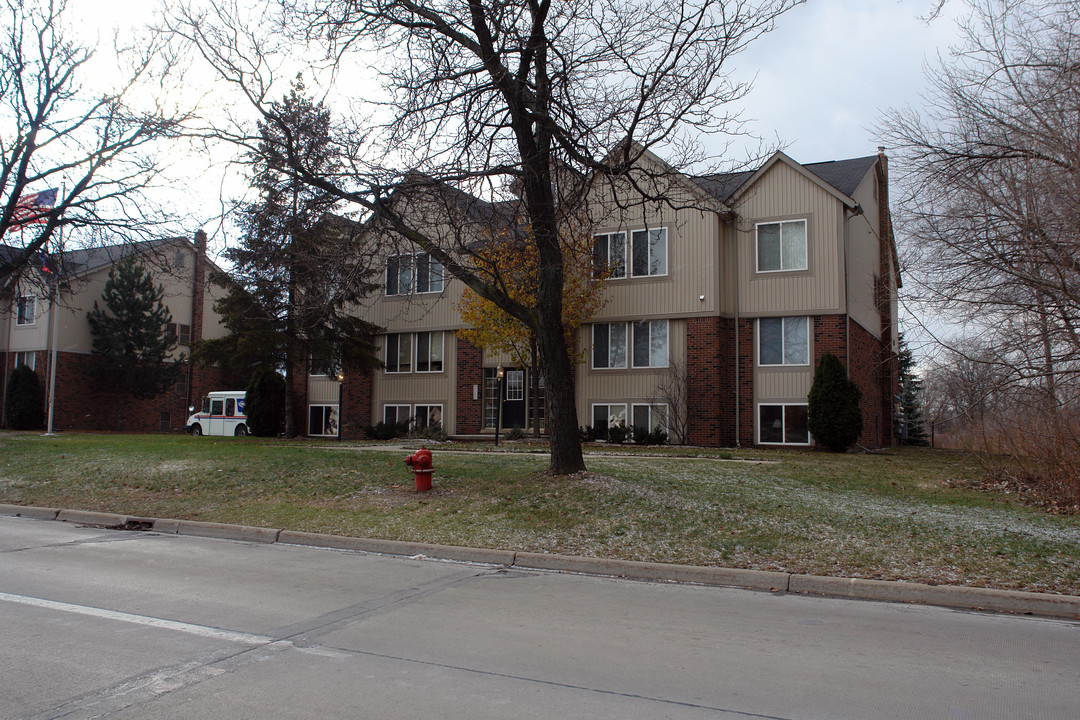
834 417
24 403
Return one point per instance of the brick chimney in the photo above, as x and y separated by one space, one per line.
198 287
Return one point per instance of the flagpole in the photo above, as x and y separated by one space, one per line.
55 315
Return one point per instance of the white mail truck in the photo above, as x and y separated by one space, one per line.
222 414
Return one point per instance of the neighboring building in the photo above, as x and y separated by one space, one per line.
719 305
26 331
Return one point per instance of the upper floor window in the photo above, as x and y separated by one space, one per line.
429 351
609 345
178 333
649 252
25 314
784 341
781 246
418 273
399 353
609 251
650 343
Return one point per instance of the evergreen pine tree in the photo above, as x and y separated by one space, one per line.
24 402
297 269
264 403
834 417
910 401
130 334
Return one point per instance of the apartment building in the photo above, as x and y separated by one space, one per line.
28 314
723 293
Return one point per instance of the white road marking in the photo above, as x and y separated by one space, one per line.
190 628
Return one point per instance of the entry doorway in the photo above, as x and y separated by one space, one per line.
513 400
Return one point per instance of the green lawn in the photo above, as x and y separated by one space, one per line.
890 515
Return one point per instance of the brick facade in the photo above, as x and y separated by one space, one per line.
710 381
746 383
80 405
470 372
355 411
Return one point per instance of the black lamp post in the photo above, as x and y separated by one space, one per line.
340 403
498 403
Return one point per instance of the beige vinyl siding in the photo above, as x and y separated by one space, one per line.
782 385
415 388
631 385
785 194
863 248
323 390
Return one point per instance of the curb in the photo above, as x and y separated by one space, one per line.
950 596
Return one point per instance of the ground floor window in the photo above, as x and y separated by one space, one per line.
165 421
606 417
783 424
647 418
323 420
397 414
25 358
427 416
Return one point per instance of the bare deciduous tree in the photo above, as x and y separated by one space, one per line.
94 146
521 102
989 180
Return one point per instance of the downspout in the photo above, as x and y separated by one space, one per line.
738 357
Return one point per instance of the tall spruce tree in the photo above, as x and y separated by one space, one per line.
131 337
834 417
910 399
297 272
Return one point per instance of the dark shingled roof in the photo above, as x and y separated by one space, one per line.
844 175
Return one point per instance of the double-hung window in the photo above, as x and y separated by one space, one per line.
399 353
781 246
609 345
25 314
784 341
429 351
609 252
650 343
406 274
397 414
649 252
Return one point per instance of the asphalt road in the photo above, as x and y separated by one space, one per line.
111 624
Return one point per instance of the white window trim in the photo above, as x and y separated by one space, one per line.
333 406
610 236
33 310
783 348
416 353
785 406
627 349
652 426
399 406
26 354
414 277
625 406
410 338
757 253
415 411
630 345
630 252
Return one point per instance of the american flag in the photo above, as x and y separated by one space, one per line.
30 209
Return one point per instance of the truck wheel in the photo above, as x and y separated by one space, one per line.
196 430
241 430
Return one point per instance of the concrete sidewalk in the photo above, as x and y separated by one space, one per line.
968 598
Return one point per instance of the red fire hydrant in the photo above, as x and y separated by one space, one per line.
420 462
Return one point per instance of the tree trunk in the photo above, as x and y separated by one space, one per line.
565 443
290 421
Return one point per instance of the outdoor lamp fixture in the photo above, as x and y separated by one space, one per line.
340 408
498 403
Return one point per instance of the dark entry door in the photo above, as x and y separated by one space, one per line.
513 409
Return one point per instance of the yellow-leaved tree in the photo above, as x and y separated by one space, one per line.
509 260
